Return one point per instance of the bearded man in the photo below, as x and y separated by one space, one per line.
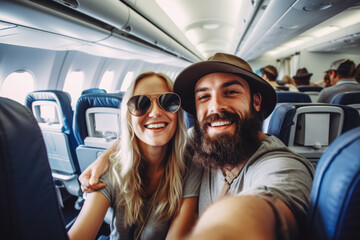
251 185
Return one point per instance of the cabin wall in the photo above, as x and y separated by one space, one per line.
318 63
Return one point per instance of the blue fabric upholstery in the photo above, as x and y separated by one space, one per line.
334 211
293 97
306 88
190 120
64 101
88 101
28 202
281 119
346 98
93 90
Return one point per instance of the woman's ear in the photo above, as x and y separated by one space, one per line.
257 101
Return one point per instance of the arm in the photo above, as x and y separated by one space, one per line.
90 218
90 177
244 217
184 219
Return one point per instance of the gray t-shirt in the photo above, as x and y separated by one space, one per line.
272 171
155 228
341 86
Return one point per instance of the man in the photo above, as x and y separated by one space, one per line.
341 74
302 77
263 187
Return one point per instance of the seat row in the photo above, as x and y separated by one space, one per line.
74 139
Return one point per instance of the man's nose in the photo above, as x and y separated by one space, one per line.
217 104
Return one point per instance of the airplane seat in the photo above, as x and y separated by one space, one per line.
93 90
189 119
29 201
286 97
292 97
351 99
312 91
334 211
52 110
96 125
308 129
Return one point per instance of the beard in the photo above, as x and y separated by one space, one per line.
222 149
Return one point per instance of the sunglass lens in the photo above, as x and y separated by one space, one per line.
138 105
170 102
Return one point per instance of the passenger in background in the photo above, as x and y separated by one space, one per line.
290 83
253 187
270 74
144 185
341 75
302 77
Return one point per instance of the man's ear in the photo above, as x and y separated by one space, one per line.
257 101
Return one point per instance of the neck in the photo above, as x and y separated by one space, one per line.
154 156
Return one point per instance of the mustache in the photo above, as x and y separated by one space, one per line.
222 115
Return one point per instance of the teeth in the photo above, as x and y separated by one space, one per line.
157 125
222 123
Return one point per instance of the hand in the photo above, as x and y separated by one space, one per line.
89 179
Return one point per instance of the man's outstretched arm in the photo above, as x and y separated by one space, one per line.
90 177
246 217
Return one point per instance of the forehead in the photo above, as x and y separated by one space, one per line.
150 85
219 80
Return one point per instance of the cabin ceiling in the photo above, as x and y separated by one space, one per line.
191 30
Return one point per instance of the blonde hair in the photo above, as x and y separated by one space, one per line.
126 165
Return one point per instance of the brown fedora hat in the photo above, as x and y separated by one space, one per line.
301 73
221 62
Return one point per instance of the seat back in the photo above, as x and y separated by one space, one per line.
292 97
28 202
93 90
96 125
312 91
351 99
52 110
334 211
309 129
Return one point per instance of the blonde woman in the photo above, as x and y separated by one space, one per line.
145 183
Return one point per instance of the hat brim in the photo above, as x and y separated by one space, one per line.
185 84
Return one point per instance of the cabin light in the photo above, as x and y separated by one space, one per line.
211 26
324 31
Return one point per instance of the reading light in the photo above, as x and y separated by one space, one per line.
211 26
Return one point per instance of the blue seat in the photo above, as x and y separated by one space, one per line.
292 97
29 204
351 99
96 125
52 109
309 129
306 88
334 211
93 90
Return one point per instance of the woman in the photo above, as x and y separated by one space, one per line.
145 181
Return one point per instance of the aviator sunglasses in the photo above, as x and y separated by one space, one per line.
138 105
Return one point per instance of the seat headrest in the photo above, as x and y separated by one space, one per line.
293 97
93 90
87 101
346 98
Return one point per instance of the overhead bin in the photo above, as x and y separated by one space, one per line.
284 20
117 14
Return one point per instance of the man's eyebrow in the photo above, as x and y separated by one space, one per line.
203 89
233 82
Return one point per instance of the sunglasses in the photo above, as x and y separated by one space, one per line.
138 105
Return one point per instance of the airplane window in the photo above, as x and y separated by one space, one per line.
17 85
127 81
107 80
73 85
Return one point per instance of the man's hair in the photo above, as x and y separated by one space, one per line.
270 71
345 68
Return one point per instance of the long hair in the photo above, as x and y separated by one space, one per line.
126 165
